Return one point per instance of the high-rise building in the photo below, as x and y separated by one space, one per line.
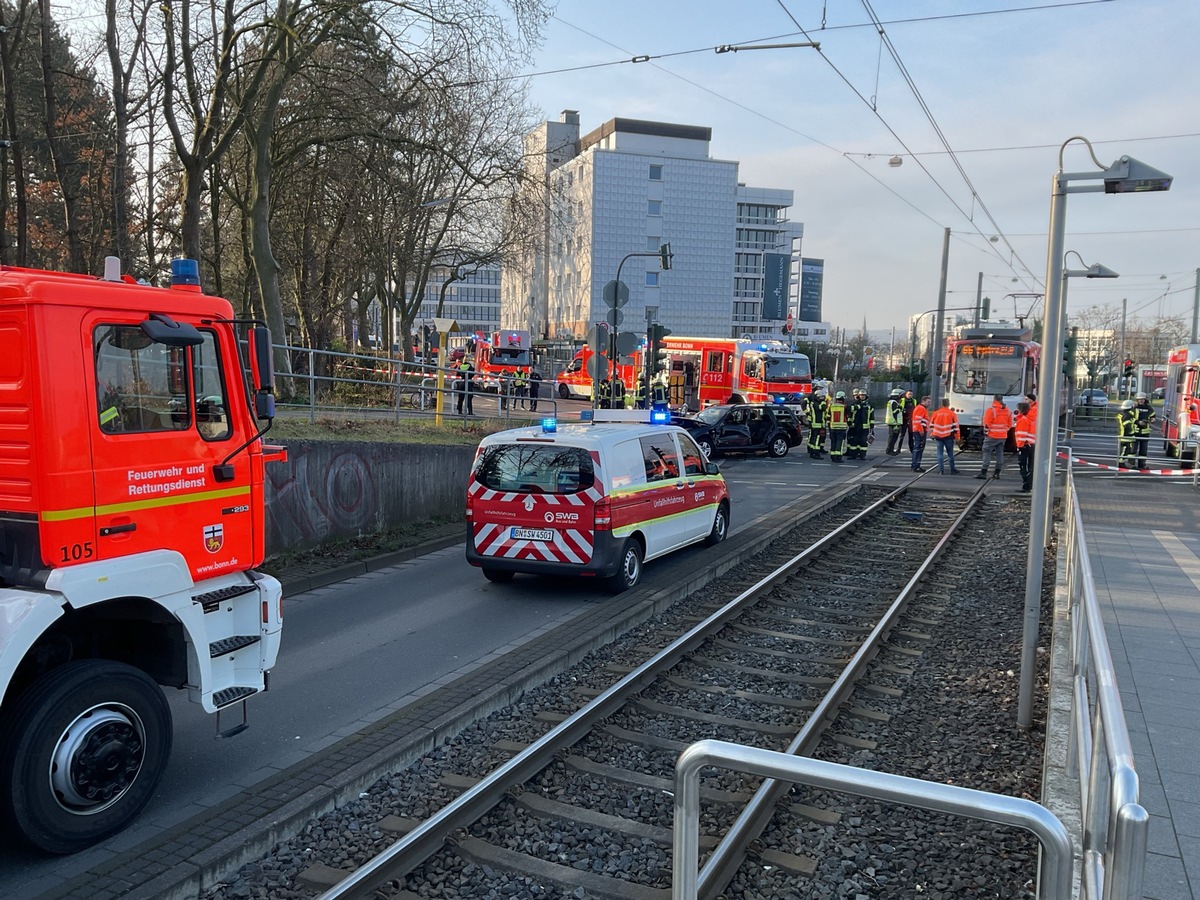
628 187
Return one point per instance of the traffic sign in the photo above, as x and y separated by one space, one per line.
598 338
615 317
597 367
627 342
616 293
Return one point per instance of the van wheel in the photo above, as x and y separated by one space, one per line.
82 753
630 572
564 392
499 576
720 527
778 446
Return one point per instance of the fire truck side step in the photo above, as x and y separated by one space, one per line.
232 695
211 600
230 644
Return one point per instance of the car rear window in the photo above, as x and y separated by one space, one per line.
535 469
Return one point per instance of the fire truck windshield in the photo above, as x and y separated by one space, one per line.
509 356
788 368
989 369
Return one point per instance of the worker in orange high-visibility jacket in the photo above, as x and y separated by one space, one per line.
920 431
943 428
997 422
1026 430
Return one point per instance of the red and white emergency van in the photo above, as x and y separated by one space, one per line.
595 498
707 371
1181 404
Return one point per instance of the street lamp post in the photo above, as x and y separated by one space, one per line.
1126 175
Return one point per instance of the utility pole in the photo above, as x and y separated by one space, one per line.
1124 382
935 380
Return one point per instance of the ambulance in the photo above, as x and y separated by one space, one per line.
1181 405
596 499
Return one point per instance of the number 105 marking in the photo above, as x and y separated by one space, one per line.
76 552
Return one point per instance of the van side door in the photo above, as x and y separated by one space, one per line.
665 491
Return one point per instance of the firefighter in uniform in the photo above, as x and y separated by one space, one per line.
816 426
893 417
660 395
639 395
604 394
1126 428
1143 418
837 420
616 394
466 374
862 425
520 387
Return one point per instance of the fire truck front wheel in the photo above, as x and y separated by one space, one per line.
82 751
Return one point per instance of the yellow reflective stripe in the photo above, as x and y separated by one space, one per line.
633 526
82 512
658 485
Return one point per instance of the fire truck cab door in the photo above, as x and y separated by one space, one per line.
160 424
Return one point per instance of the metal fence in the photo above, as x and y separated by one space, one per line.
326 383
1099 753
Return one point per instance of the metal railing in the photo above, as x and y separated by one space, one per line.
1056 868
1099 753
329 382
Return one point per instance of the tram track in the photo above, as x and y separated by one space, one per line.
774 666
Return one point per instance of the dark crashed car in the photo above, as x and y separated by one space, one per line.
743 428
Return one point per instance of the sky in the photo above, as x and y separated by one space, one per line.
1001 83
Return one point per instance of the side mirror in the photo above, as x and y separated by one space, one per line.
262 368
711 468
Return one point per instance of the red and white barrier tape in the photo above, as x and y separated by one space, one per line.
1079 461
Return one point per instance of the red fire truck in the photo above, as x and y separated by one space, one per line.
501 355
131 520
1181 404
707 371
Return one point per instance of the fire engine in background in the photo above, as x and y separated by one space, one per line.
504 354
982 362
707 371
132 514
1181 405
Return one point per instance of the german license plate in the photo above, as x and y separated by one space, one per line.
532 534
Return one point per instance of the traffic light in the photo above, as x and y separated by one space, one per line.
985 308
1069 355
1128 367
658 353
664 256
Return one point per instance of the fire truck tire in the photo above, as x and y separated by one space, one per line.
564 392
778 446
81 754
720 529
630 572
497 575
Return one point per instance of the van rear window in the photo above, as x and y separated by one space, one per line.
545 469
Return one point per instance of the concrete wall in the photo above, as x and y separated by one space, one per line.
335 489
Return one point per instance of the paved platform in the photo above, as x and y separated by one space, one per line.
1145 551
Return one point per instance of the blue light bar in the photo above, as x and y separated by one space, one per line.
780 399
660 417
549 425
185 271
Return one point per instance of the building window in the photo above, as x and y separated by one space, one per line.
655 172
654 207
651 279
652 244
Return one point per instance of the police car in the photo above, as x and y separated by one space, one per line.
593 499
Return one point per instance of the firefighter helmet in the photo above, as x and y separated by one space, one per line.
840 395
1141 395
1128 404
896 392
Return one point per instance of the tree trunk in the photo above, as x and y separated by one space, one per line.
65 178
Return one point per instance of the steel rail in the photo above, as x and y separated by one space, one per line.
430 835
729 854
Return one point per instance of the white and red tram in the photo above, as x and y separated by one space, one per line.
983 362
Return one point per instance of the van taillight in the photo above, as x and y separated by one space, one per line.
603 514
470 506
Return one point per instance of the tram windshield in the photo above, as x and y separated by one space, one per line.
788 368
990 369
